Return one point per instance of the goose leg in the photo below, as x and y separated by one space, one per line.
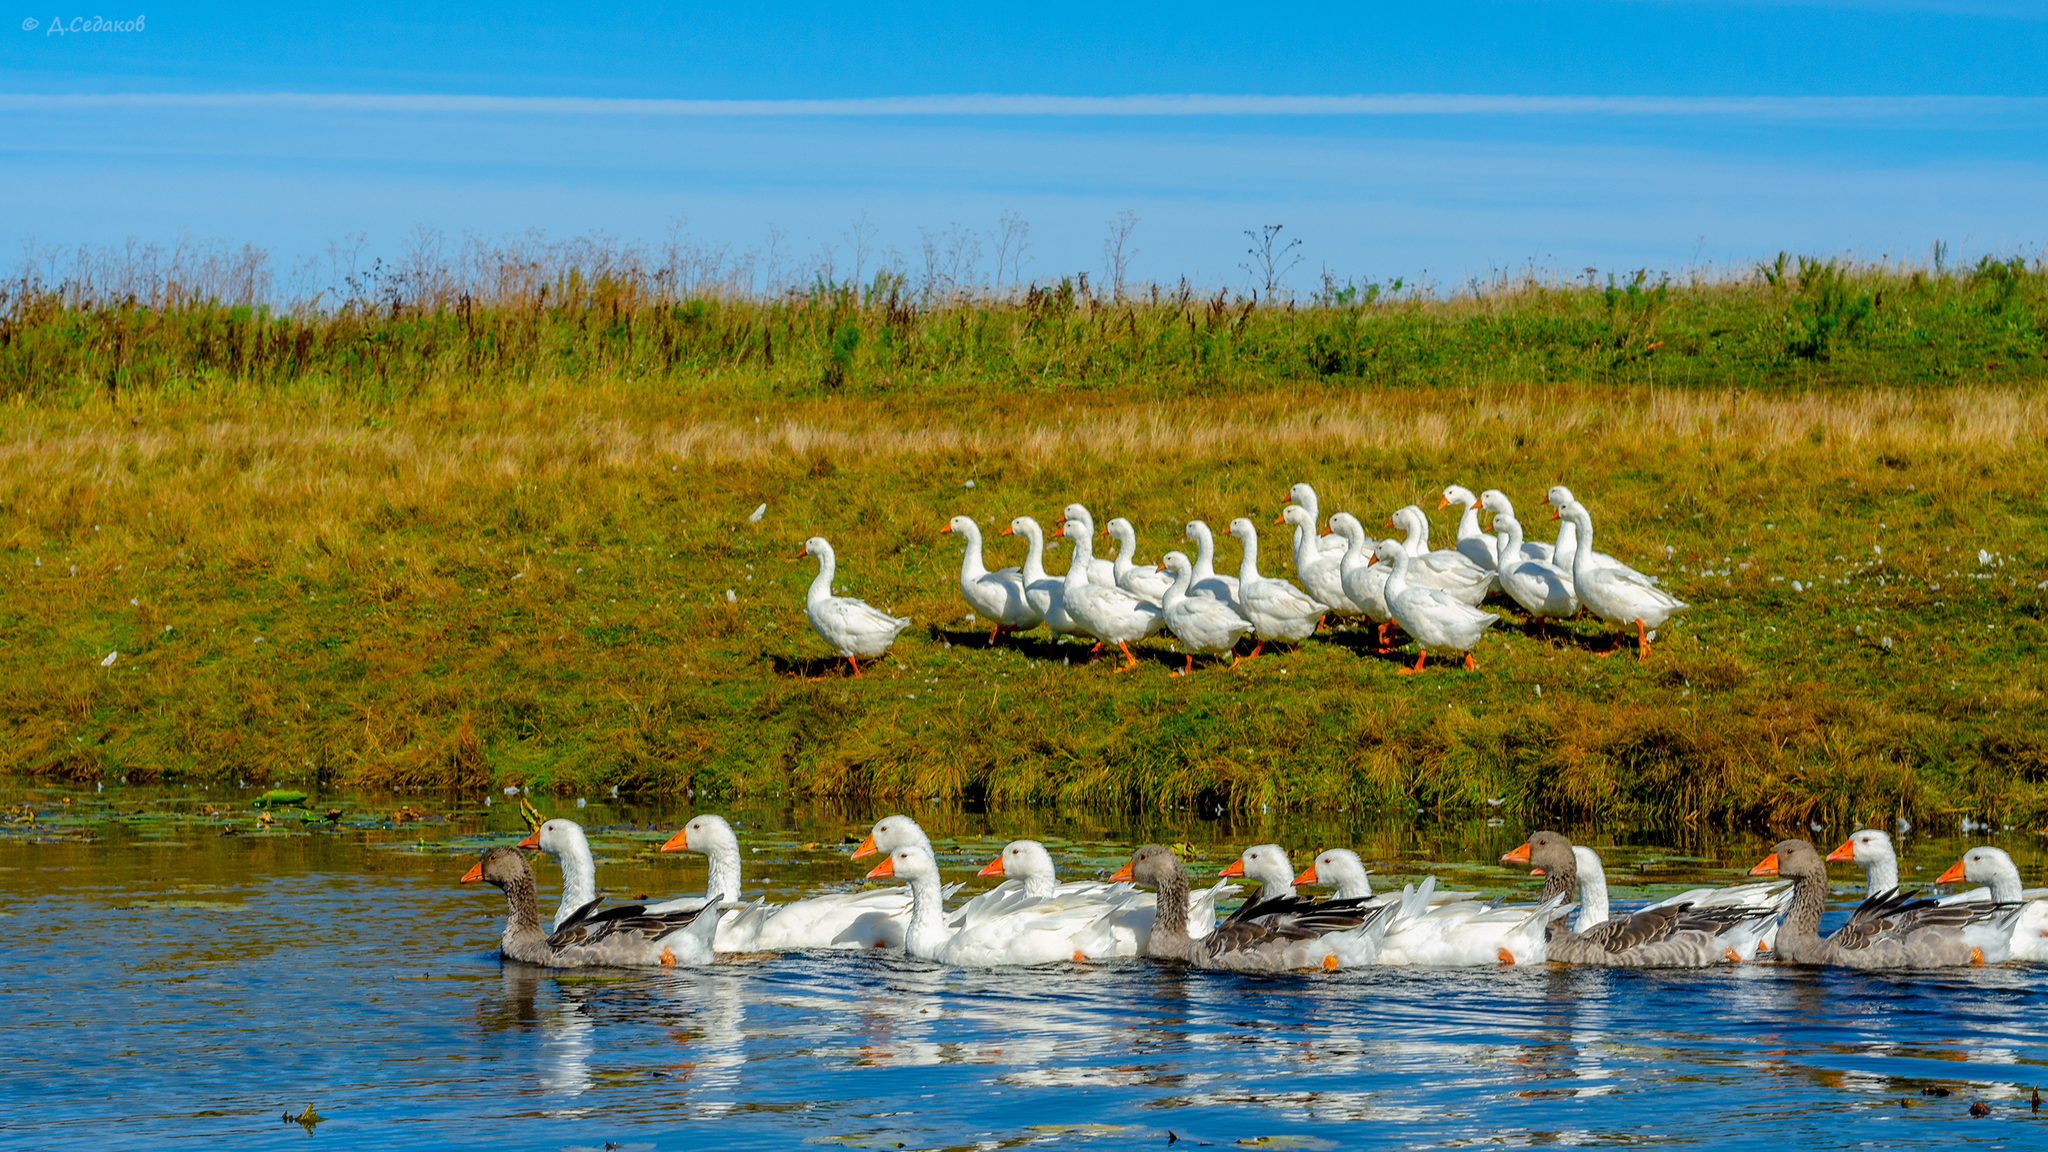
1383 637
1421 654
1256 645
1190 669
855 663
1130 661
1642 641
992 636
1470 664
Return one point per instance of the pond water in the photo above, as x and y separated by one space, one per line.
181 975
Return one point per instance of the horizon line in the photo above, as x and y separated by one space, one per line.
991 104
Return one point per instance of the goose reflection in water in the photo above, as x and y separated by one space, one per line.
709 1030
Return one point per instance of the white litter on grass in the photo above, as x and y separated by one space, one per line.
579 802
969 484
134 603
730 598
109 661
759 512
1983 557
1887 642
511 789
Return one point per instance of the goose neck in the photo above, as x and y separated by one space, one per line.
579 872
1468 523
522 909
1248 568
1881 874
2004 881
722 874
1802 915
972 566
1178 591
1171 905
1077 567
1034 552
926 932
821 584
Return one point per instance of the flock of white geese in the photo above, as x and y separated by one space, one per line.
1149 908
1433 595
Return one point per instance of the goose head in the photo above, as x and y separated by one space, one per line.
964 525
1298 516
501 866
1989 866
1243 529
1794 860
1546 854
1866 847
1024 526
1559 496
1150 865
1346 525
706 833
1389 550
909 863
1339 868
1120 530
1457 496
1496 501
1176 563
817 546
1412 520
1080 514
1266 863
1302 494
1025 860
889 834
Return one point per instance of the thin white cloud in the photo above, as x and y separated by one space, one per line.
1738 107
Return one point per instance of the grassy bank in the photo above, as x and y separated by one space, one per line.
437 575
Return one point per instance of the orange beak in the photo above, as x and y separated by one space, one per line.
1308 876
946 529
1553 513
677 842
1009 531
1234 868
1954 875
532 840
1390 522
867 847
1123 873
995 868
803 549
1443 502
1768 866
1846 852
1475 504
1060 531
475 873
886 868
1518 856
1280 519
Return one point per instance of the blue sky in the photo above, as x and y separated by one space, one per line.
1615 135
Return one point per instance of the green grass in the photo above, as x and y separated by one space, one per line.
490 544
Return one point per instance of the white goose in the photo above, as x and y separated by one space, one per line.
873 918
1594 899
1205 627
1617 594
1365 583
1206 583
1543 592
1473 542
1871 850
565 841
1267 864
1464 933
996 596
1445 569
1105 611
1343 871
1039 931
1434 617
1994 868
1496 501
1045 593
893 832
1321 569
1305 496
852 627
1277 609
1141 580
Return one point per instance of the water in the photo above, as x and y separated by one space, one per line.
173 985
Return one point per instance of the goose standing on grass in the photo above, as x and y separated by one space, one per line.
1889 930
1665 936
995 596
1205 582
1473 542
1264 936
1099 571
1434 617
1617 595
1365 583
1044 592
872 918
1144 581
1305 496
1203 627
1993 868
852 627
1105 611
1543 591
1445 569
627 937
1277 609
1496 501
1321 569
